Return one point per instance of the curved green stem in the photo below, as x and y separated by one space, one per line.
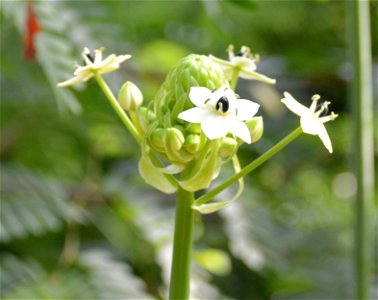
182 246
234 79
249 168
118 109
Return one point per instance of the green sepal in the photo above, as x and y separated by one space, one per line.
204 170
208 208
256 128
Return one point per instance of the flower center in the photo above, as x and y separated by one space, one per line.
222 104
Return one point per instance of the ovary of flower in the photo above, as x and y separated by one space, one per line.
311 119
220 112
243 62
94 65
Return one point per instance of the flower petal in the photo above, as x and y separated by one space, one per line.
294 105
323 135
309 124
244 63
239 129
74 80
248 74
198 95
215 127
245 109
194 115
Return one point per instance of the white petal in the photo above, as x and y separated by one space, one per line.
74 80
222 62
310 125
294 105
224 90
245 109
106 62
98 56
248 74
239 129
214 127
323 135
198 95
85 57
122 58
244 63
194 115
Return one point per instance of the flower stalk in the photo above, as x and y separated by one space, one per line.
182 246
250 167
118 109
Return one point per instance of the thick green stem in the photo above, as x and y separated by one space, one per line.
182 246
118 109
364 145
249 168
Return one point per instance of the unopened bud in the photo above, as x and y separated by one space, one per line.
193 128
145 117
192 143
228 147
256 128
174 139
129 96
157 139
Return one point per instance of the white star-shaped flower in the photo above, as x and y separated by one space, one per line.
94 65
220 112
312 118
244 62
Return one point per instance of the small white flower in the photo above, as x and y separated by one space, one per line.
311 118
94 65
220 112
244 62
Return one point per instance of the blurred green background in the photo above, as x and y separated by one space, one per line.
78 222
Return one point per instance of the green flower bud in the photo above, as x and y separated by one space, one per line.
256 128
193 70
129 96
145 117
228 147
174 139
193 128
157 139
192 143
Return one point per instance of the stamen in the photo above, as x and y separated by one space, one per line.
316 97
322 108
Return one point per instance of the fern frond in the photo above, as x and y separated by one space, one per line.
112 278
32 204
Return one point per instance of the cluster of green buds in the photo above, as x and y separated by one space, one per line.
188 147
